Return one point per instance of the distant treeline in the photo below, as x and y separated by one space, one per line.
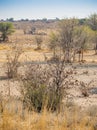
81 20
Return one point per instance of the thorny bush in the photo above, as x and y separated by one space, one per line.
45 85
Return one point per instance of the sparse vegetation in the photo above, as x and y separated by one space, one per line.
44 87
55 93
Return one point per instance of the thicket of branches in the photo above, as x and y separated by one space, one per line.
45 85
73 38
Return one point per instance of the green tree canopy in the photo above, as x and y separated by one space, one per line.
6 29
92 22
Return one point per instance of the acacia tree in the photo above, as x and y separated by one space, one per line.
80 40
6 29
92 22
66 29
71 38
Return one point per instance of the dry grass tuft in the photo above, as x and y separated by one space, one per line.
69 119
4 47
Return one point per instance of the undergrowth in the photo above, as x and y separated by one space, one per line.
69 118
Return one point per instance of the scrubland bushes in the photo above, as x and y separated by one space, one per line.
43 86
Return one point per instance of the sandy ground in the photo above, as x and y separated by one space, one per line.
86 73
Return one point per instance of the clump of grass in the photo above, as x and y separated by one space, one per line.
46 120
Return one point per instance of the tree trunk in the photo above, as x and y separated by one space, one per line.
4 37
82 52
79 57
96 49
74 56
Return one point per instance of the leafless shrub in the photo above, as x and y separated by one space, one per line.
86 72
85 88
38 40
45 85
85 92
13 63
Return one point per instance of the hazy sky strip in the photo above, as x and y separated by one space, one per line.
35 9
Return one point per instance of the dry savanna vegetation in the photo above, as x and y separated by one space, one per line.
48 74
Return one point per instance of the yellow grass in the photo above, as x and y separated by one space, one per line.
45 120
4 47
